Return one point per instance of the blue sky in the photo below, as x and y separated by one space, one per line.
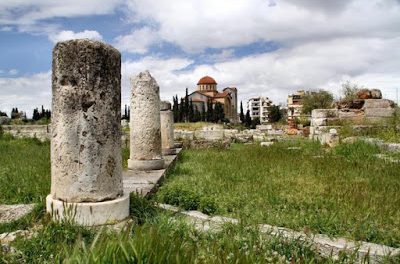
263 47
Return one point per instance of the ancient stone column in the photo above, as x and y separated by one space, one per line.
145 137
86 165
167 129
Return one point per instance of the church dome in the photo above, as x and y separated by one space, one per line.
206 80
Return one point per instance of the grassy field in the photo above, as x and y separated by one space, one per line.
158 239
346 191
310 197
24 170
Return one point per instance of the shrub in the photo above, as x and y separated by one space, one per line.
184 198
141 209
208 205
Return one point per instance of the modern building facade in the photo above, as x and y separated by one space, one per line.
295 104
259 107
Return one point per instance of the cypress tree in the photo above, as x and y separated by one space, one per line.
248 119
191 111
181 110
210 111
242 118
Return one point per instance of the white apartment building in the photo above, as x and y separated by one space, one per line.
259 107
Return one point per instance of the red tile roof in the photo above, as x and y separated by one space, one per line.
207 80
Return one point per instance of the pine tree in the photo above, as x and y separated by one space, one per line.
242 118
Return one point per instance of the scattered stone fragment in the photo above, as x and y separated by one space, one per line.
266 144
9 213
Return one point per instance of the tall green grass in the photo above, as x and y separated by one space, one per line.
161 240
344 192
24 170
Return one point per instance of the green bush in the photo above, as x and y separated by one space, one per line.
184 198
208 205
141 209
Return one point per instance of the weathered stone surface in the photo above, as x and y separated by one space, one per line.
145 124
124 123
319 122
264 127
323 244
230 133
266 144
167 128
378 103
90 213
324 113
165 105
205 144
4 120
7 238
9 213
86 122
41 132
376 94
183 135
146 182
364 94
209 134
379 112
243 138
351 114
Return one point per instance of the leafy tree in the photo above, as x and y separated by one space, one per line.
3 114
274 114
349 91
242 118
317 100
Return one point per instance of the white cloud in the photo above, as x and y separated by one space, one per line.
138 41
196 25
68 34
316 65
13 72
6 29
25 92
23 12
321 64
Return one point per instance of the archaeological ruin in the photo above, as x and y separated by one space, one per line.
86 166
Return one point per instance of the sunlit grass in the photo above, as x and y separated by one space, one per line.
346 192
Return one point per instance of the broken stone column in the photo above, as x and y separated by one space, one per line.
86 162
145 138
167 129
